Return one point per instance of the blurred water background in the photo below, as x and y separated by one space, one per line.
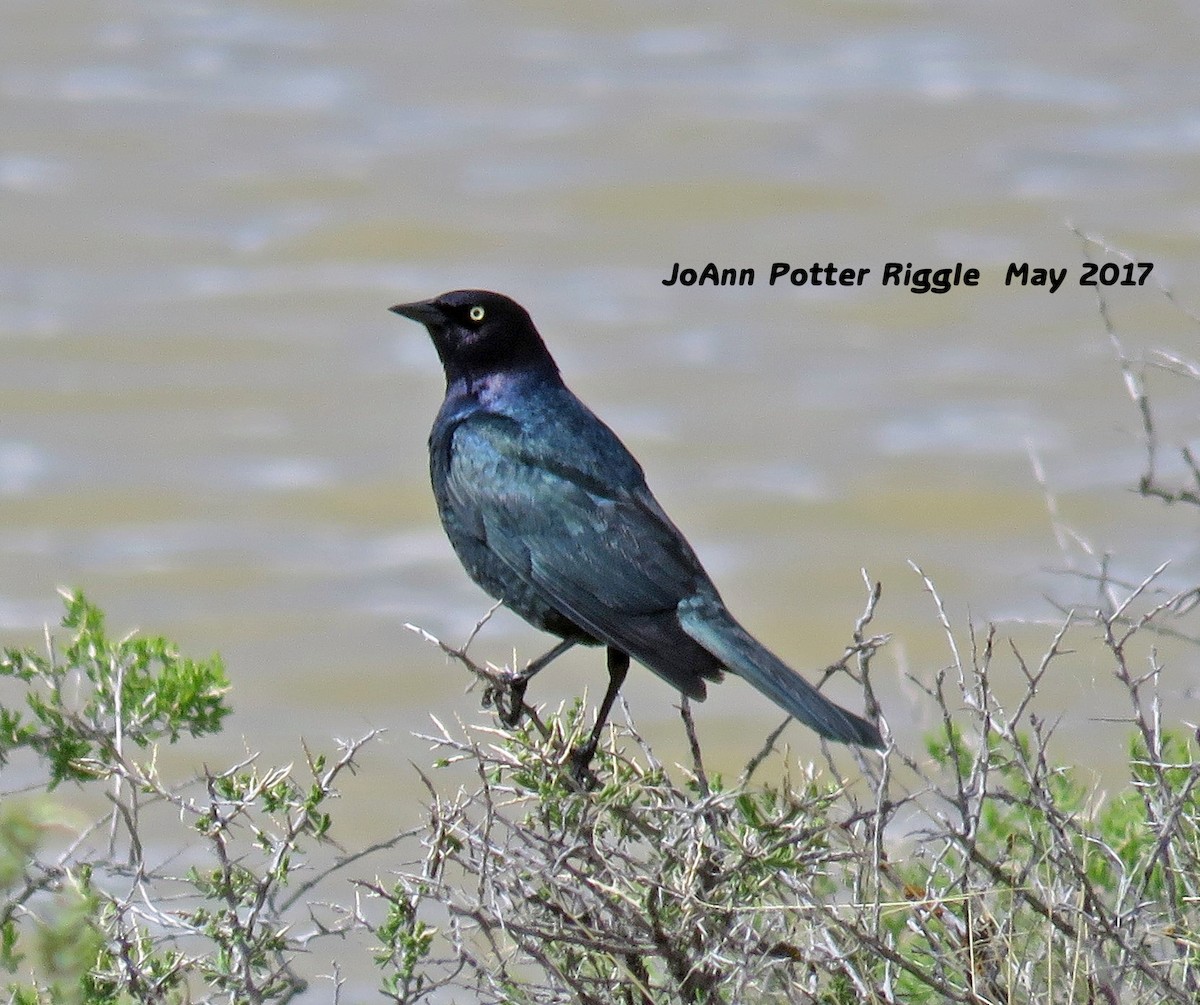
210 423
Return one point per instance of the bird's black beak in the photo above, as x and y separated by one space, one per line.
426 312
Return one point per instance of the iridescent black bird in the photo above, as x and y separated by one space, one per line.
550 513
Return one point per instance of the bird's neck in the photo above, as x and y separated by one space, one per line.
492 383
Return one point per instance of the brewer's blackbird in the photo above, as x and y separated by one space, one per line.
550 514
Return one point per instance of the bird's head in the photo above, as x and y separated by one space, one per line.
478 333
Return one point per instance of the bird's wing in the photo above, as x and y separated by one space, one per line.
601 553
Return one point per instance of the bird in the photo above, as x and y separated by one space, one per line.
550 514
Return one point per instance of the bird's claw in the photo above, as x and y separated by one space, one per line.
508 698
579 766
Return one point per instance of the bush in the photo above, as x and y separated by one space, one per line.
986 872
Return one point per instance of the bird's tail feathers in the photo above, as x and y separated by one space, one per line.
714 628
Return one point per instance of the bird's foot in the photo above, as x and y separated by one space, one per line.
508 698
579 762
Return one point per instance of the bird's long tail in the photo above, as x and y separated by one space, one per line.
707 621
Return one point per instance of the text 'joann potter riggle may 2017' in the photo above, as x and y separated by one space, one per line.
904 275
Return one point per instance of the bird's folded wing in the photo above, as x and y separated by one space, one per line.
600 552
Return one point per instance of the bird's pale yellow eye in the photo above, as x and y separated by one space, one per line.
476 313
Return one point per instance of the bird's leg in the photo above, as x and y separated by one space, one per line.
543 661
618 667
511 714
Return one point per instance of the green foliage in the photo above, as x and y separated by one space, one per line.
404 942
65 938
85 705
